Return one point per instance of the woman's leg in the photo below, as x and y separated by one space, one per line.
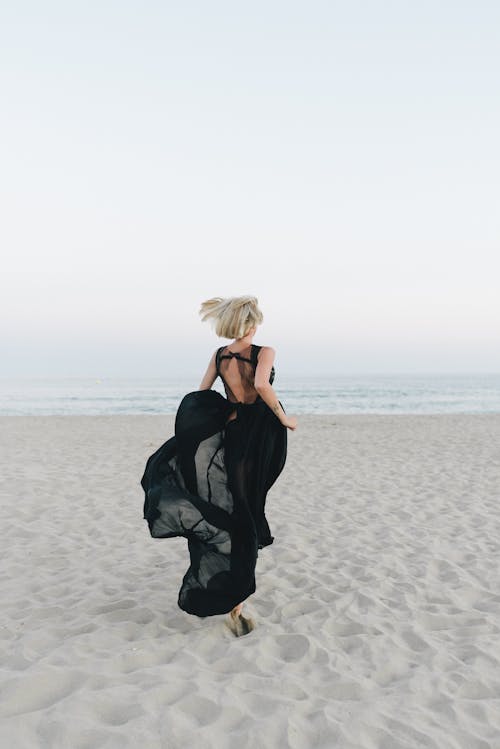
239 624
237 610
238 467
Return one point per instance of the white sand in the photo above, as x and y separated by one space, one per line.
377 606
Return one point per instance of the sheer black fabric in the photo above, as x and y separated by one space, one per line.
237 372
209 483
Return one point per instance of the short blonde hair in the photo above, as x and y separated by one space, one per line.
233 316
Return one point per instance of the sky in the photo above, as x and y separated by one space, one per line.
339 161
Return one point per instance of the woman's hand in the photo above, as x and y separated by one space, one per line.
290 422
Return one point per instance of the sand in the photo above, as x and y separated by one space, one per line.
377 606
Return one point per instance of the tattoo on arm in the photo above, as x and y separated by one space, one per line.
276 408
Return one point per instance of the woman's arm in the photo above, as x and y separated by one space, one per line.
210 375
265 389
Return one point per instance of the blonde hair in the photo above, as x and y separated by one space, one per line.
233 316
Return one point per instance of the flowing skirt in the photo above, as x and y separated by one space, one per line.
209 483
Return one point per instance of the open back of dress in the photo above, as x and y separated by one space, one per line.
237 372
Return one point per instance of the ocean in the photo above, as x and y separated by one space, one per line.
334 394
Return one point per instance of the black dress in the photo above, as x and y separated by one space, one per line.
209 483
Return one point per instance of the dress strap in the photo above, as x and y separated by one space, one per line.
217 358
255 353
235 354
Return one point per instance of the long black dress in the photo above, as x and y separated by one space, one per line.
209 483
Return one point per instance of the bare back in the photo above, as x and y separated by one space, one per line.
237 372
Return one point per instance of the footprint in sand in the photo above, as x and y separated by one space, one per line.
115 606
200 710
38 690
291 647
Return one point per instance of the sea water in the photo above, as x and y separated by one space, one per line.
348 394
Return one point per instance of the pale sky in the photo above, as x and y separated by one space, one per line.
338 160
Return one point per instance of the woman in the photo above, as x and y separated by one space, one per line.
209 481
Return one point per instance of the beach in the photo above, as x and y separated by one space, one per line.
377 606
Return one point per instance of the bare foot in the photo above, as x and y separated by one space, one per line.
237 611
239 624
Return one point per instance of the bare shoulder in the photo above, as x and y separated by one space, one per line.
266 353
213 358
